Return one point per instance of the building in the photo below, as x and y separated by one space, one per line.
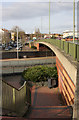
13 36
1 34
69 33
46 36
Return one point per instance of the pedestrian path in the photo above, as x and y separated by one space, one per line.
48 103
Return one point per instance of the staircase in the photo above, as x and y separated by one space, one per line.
52 112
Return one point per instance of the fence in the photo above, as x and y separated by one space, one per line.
69 48
14 99
28 54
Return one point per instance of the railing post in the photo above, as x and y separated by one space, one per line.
62 45
77 52
66 47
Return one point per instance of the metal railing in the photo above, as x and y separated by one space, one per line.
68 47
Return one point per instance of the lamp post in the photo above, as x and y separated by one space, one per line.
49 16
73 21
41 27
17 41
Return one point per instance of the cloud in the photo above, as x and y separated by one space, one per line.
38 1
24 10
28 15
30 10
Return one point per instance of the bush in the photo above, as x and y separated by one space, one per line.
39 73
33 47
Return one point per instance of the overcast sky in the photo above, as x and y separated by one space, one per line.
33 14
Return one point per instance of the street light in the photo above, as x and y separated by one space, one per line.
73 21
17 41
41 27
49 16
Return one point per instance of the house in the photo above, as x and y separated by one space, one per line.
1 33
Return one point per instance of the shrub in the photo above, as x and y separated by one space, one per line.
33 47
39 73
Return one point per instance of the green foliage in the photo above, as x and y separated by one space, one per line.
39 73
33 47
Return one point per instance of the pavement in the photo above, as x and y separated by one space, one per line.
48 103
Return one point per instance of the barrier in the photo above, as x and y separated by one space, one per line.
69 48
14 99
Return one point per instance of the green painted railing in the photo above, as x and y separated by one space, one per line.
77 53
69 48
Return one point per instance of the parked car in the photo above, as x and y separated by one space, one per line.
0 45
3 46
15 45
9 47
6 48
18 48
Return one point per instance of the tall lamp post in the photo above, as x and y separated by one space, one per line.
49 16
17 41
73 21
41 27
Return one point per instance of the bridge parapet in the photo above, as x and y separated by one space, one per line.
68 47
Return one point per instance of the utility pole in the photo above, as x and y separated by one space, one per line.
73 21
41 27
49 16
17 42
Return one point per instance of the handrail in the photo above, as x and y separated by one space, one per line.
22 86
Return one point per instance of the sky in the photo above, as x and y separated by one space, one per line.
35 14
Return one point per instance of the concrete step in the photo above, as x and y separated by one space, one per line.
12 118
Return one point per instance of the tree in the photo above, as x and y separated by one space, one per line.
6 37
21 34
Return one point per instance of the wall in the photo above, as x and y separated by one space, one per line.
30 54
65 83
17 66
14 99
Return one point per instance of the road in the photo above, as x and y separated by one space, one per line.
25 48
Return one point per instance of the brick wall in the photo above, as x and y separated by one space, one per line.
65 83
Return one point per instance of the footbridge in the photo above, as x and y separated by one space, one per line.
67 62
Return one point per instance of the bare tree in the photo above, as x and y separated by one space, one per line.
21 34
6 37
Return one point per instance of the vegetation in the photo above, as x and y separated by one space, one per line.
33 47
6 37
21 34
53 37
39 73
